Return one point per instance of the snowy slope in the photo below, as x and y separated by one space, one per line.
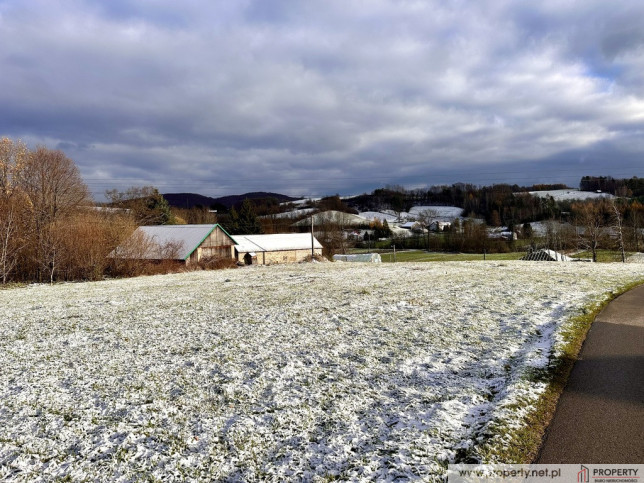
285 373
570 194
441 213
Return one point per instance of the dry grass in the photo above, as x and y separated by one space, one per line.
527 440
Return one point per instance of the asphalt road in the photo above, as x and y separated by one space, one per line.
600 415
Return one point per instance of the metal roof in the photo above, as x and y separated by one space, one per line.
359 257
184 238
275 243
544 255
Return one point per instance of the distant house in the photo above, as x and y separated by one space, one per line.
503 234
272 249
358 234
184 243
412 225
440 225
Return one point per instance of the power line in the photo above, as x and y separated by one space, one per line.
331 184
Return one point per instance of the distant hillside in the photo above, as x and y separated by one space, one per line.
190 200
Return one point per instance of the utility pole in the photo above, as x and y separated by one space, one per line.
312 240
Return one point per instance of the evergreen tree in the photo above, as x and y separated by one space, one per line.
248 222
233 224
146 204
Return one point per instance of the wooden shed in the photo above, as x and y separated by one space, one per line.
278 248
186 243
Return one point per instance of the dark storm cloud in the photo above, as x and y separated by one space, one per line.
325 96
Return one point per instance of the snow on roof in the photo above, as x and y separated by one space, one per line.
274 243
409 225
544 255
185 238
358 257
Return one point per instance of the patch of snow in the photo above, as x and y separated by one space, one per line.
442 213
636 258
292 214
378 215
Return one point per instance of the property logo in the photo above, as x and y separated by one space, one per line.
583 476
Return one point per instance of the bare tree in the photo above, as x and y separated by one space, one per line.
51 250
618 226
635 223
14 215
13 155
53 183
14 206
426 218
55 190
590 217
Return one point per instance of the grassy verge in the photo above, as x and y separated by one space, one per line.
421 256
525 441
12 285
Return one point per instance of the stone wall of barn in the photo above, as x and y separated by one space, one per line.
282 256
286 256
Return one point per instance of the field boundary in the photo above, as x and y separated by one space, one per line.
525 442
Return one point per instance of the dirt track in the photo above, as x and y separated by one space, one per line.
600 416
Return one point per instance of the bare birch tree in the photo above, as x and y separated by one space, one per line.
14 206
13 232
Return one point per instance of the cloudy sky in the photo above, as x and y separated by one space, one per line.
314 97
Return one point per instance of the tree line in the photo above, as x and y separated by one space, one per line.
49 227
631 187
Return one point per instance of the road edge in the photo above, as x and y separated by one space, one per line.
523 445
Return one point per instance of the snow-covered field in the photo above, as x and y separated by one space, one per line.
441 213
292 214
570 194
286 373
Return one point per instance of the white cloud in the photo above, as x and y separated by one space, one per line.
278 90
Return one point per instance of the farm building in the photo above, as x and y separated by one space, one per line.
186 243
359 257
412 226
544 255
440 225
271 249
